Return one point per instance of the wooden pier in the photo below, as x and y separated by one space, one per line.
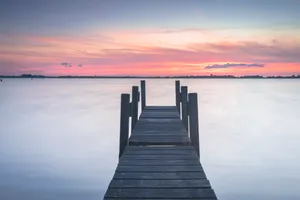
161 158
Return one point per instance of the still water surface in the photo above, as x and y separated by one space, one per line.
59 138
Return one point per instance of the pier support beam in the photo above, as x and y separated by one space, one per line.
124 124
177 95
184 107
134 105
194 126
143 94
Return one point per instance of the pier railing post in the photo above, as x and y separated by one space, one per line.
124 122
134 105
177 93
184 107
143 94
194 126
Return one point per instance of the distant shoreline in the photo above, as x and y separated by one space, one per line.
155 77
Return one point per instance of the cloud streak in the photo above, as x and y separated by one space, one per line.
233 65
66 64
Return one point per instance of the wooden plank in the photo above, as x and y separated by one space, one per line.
146 125
153 132
195 183
157 138
147 199
159 124
159 176
160 108
157 141
150 169
160 112
162 115
157 157
130 162
160 148
177 123
160 193
159 152
162 135
158 117
158 127
161 129
151 120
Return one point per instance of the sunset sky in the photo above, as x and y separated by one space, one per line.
143 37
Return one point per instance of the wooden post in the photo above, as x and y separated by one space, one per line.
194 126
134 105
177 93
143 94
124 122
184 107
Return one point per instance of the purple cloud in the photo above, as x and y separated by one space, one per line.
230 65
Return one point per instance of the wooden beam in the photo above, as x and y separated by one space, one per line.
134 105
177 95
194 126
184 106
143 94
124 122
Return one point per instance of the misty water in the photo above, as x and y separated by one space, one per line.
59 137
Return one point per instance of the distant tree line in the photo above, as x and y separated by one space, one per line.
185 76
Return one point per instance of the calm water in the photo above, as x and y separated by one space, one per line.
59 138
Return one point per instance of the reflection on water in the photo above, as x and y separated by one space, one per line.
59 138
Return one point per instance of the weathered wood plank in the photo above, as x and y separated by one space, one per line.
158 157
165 169
195 183
134 140
153 120
161 112
165 115
157 138
159 128
158 133
160 148
146 125
153 199
160 108
176 124
130 162
171 114
160 193
158 117
159 176
159 152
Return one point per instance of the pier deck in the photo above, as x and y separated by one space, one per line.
159 159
